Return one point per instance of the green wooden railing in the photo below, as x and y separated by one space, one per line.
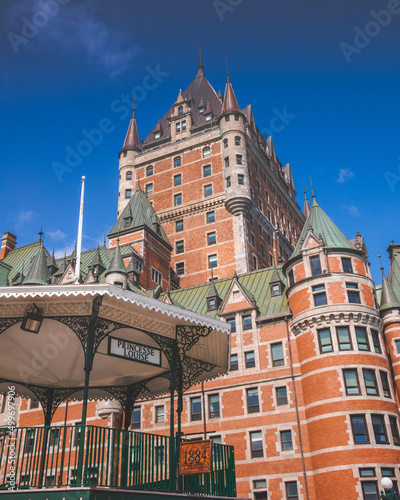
75 456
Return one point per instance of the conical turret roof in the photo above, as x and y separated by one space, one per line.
132 136
117 264
38 273
97 261
322 225
230 102
141 212
389 299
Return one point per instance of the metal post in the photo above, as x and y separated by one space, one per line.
79 243
47 421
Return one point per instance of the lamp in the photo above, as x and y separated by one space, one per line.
32 320
387 484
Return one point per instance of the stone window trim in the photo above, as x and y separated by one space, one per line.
180 268
277 354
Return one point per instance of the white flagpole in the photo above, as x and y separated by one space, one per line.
79 244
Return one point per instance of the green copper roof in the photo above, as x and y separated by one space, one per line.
21 258
255 284
394 274
389 299
117 264
38 273
322 226
139 212
4 272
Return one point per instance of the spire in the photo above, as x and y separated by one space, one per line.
38 273
132 136
389 299
230 103
117 264
307 207
220 95
97 261
200 67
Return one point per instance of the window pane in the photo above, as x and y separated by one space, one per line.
281 395
395 430
234 362
210 217
354 297
346 263
325 340
206 151
177 162
250 359
344 338
362 340
385 384
136 417
232 322
320 299
360 432
370 382
211 238
212 261
370 490
351 381
378 424
195 404
375 341
252 400
206 170
315 265
179 226
286 440
277 354
177 180
208 190
291 491
256 444
213 402
247 324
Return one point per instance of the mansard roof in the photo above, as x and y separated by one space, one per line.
200 88
20 258
140 213
322 226
256 285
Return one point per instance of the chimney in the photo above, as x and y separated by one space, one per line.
8 243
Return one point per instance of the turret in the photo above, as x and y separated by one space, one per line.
116 273
38 273
127 158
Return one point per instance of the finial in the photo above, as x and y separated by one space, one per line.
380 260
200 66
358 233
312 188
227 71
134 105
392 242
138 181
41 233
104 240
304 187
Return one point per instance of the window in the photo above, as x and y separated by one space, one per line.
208 117
125 154
239 159
253 239
277 354
286 440
54 437
179 226
179 246
315 263
247 323
177 161
367 472
136 417
234 365
254 262
237 140
227 118
362 339
180 268
177 199
256 444
34 403
226 160
259 484
77 432
385 384
128 193
249 358
156 276
370 382
195 408
319 298
228 182
129 176
208 190
236 118
177 180
353 296
360 432
395 430
213 406
375 341
232 322
281 396
344 338
346 263
211 238
210 217
276 290
378 423
216 439
149 189
206 170
370 490
211 304
180 110
156 135
240 179
212 261
149 170
159 414
178 127
291 277
183 124
253 405
258 185
291 491
207 150
225 143
262 248
351 381
201 110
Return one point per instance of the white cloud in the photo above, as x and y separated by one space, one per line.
353 210
76 28
66 250
344 175
56 235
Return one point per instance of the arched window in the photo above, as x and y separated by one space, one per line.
180 110
237 140
129 175
149 170
177 161
206 152
225 143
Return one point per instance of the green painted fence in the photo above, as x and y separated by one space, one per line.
75 456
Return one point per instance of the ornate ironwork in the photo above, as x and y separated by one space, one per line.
7 322
121 393
193 368
188 336
78 324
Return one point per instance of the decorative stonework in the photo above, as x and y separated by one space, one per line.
191 209
322 320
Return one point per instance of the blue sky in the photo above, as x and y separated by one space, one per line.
323 79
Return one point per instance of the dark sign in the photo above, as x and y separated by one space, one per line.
195 457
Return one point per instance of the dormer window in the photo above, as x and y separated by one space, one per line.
180 110
212 304
127 221
156 135
208 117
201 110
315 265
